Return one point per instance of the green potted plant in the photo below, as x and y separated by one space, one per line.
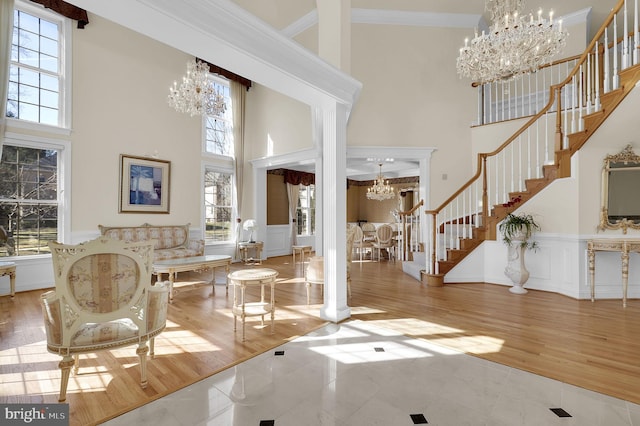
516 230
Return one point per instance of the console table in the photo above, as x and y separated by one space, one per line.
623 246
9 268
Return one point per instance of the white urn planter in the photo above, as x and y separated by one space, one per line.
516 269
516 231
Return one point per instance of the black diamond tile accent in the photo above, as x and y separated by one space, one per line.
560 412
379 349
418 419
276 353
267 422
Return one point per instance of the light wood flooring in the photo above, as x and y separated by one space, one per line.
591 345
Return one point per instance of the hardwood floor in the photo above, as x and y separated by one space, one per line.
591 345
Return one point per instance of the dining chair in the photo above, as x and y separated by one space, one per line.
384 240
359 243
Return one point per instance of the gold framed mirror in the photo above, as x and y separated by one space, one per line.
621 191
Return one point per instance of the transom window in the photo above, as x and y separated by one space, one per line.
28 200
36 72
306 210
218 128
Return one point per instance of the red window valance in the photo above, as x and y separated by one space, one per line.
67 10
299 178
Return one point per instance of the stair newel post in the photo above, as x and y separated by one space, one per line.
432 250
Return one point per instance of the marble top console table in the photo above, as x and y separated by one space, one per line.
624 246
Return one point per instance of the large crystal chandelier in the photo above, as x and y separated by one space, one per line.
196 95
380 190
515 44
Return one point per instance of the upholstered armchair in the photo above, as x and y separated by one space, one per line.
314 273
103 299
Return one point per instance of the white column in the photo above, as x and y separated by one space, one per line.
316 129
334 45
334 32
334 213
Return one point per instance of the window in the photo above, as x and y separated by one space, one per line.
218 128
306 210
218 205
29 199
219 187
36 72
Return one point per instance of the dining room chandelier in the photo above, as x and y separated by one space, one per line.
380 190
196 94
515 44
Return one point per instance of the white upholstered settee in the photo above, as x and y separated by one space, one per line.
171 241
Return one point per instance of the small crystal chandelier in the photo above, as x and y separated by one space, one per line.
196 94
380 190
515 44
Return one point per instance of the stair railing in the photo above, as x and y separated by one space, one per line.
409 232
512 99
542 140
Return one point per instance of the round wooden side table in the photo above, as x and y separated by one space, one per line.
253 277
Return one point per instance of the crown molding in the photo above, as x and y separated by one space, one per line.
419 19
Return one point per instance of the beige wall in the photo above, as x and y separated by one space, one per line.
277 201
121 82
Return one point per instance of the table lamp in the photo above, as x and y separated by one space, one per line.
250 225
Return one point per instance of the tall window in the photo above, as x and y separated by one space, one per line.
218 200
218 128
36 71
28 199
306 210
218 159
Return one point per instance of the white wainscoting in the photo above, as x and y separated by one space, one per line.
559 265
278 240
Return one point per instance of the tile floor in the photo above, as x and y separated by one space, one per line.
358 374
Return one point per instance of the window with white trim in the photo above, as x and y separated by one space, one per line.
36 90
306 210
30 198
218 128
218 205
218 157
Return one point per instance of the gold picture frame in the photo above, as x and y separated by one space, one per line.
144 185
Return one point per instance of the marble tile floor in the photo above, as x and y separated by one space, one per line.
355 373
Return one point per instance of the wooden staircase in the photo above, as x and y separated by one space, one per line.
487 231
602 77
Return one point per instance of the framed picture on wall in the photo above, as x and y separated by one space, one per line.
144 185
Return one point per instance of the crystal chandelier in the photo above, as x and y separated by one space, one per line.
196 95
515 44
380 190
